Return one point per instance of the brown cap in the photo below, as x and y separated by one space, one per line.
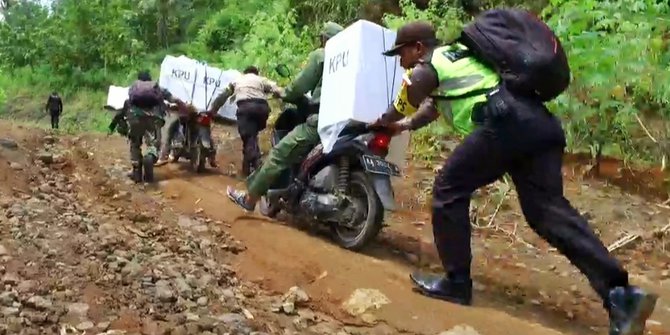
417 31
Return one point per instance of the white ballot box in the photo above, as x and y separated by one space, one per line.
359 83
179 75
117 96
197 83
224 78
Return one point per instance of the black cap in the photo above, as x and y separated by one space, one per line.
144 75
251 69
418 31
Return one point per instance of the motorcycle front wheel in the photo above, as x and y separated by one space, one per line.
357 235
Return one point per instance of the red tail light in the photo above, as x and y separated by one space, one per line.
205 119
379 144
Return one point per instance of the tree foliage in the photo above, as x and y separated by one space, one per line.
618 51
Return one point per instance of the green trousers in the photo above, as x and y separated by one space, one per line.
290 150
143 128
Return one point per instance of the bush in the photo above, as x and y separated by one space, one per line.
223 30
618 52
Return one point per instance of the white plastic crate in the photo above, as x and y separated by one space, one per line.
359 83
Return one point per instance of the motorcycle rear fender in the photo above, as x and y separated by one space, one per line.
204 139
381 183
349 148
384 189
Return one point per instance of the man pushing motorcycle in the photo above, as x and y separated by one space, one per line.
143 112
509 130
298 143
251 91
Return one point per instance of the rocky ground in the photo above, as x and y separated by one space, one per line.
84 252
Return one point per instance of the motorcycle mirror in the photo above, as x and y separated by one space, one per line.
283 70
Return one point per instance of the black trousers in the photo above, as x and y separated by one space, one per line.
55 117
252 116
527 143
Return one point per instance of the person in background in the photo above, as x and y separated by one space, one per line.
303 138
54 106
251 93
505 133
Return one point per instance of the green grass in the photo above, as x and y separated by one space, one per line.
82 111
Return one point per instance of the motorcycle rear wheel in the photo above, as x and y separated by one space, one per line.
202 159
371 225
197 158
148 162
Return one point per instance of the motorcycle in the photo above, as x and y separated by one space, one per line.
189 141
346 190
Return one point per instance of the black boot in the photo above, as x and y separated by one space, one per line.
136 173
629 309
440 287
212 162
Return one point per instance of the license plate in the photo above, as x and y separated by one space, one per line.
380 166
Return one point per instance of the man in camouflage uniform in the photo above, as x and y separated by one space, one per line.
296 144
145 123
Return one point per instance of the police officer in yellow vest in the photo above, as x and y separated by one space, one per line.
504 133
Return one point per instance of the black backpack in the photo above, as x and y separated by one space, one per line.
145 94
523 50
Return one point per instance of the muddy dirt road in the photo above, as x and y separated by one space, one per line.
523 287
284 257
521 281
